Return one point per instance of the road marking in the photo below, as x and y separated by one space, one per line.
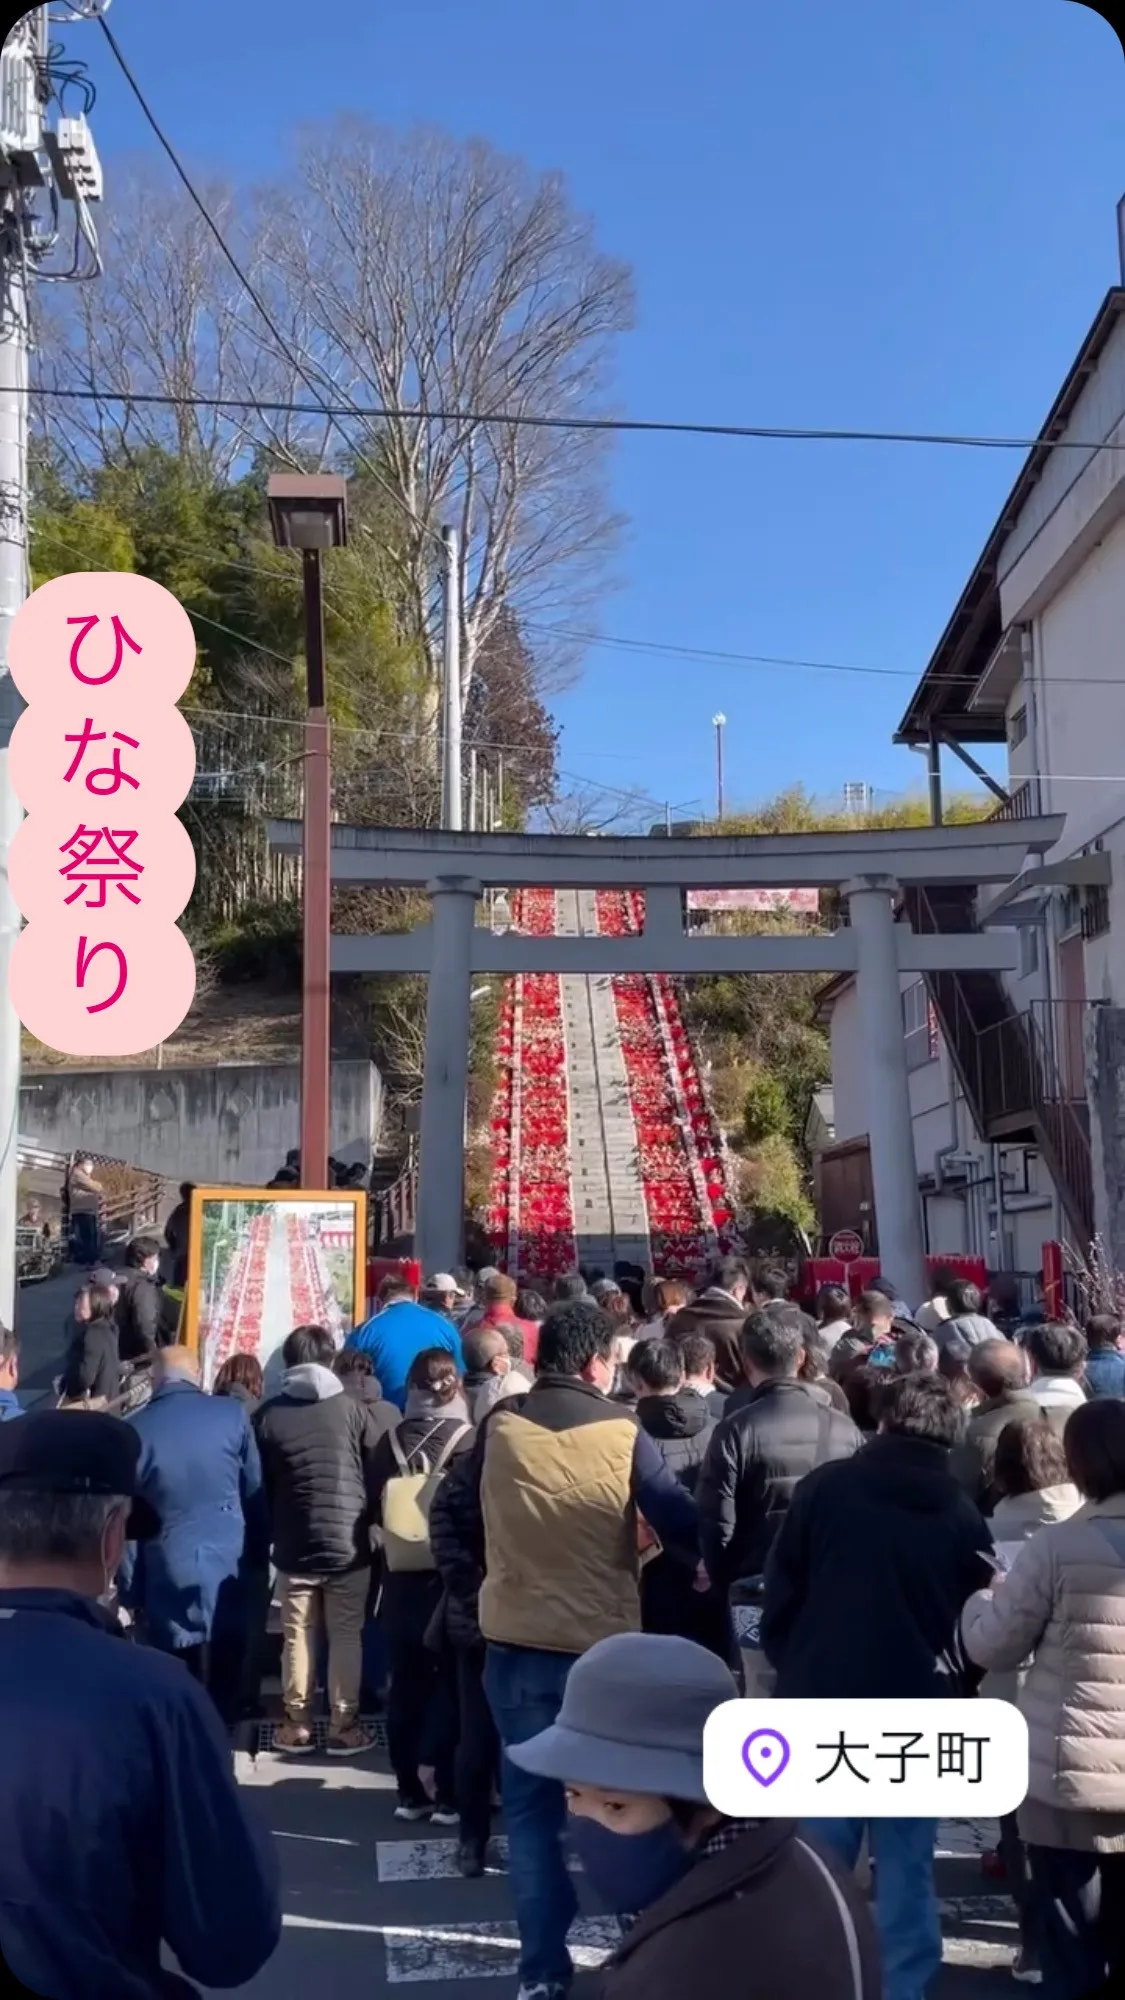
959 1839
970 1952
431 1860
416 1953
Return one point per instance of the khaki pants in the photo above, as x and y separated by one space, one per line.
342 1601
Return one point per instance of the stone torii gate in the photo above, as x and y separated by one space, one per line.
868 868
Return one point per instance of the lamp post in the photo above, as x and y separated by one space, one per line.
310 513
720 723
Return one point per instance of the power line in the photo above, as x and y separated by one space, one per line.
521 420
252 293
661 648
668 649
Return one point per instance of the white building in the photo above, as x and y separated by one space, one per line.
1018 1080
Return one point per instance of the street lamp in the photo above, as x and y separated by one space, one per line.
720 723
310 513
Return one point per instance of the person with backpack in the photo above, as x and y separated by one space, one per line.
409 1464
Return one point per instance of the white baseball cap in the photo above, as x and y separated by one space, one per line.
443 1281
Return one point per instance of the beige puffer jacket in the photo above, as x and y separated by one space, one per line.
1064 1601
1017 1517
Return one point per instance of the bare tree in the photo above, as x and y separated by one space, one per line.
437 280
402 1041
170 319
443 282
596 809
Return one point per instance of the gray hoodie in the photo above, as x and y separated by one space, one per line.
311 1383
972 1328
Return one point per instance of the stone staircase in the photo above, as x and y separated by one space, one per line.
610 1219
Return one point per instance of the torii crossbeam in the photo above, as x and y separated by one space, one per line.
866 867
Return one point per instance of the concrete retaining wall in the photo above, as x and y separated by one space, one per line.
220 1126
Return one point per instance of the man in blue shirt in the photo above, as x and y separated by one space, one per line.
114 1742
400 1330
10 1405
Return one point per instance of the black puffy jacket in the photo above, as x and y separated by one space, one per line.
141 1318
457 1540
869 1575
680 1426
754 1461
317 1447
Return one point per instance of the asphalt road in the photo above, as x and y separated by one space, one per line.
371 1904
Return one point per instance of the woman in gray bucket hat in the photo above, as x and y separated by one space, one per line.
716 1906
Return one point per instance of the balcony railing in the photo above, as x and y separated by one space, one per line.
1023 803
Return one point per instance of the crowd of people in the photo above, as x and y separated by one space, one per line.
526 1531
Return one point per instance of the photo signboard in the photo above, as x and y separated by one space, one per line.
264 1260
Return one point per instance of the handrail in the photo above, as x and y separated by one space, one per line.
1009 1065
397 1205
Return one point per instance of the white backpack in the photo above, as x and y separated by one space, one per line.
407 1499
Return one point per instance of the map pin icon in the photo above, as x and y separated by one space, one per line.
765 1754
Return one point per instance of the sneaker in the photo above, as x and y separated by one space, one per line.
1025 1968
412 1809
445 1816
544 1991
470 1859
294 1739
351 1741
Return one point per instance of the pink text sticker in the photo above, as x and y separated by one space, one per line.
102 754
111 983
101 868
100 632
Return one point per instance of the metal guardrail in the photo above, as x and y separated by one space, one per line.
131 1200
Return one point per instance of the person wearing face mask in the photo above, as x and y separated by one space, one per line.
551 1493
116 1742
489 1375
713 1906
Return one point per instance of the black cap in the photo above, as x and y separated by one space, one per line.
76 1451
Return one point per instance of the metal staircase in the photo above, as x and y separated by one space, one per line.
1005 1061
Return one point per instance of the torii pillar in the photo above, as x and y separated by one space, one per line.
441 1166
886 1079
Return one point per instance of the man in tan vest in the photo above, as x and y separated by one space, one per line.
550 1497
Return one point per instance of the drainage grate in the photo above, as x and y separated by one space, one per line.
263 1734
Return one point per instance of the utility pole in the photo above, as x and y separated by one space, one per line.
309 513
451 668
720 723
474 816
13 590
56 162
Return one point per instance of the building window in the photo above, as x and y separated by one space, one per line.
1095 911
920 1032
1029 950
1017 728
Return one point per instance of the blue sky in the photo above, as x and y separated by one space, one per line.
883 215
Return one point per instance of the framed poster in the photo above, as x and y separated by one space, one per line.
262 1261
